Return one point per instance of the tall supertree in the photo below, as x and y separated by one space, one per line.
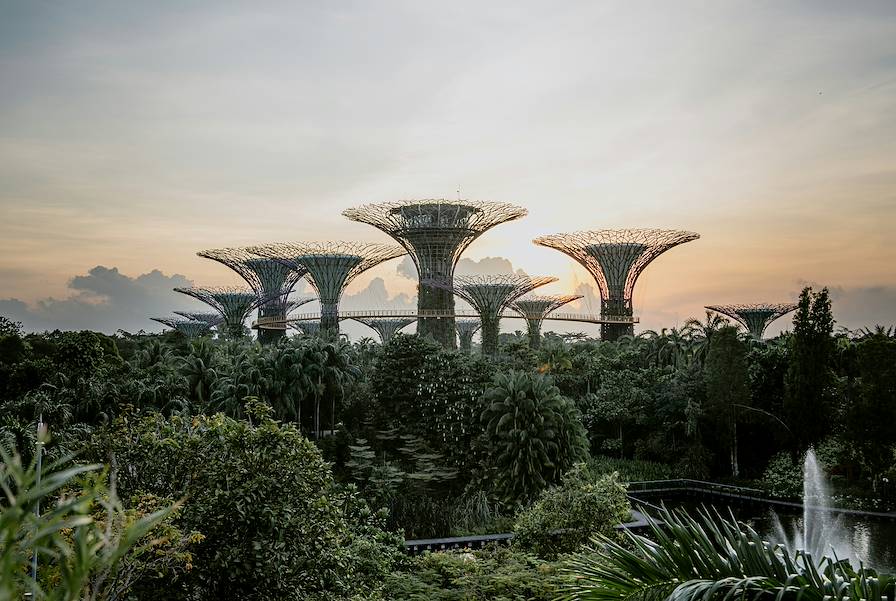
615 259
308 327
232 302
386 326
330 267
466 327
435 233
212 318
490 295
754 317
536 308
270 279
187 327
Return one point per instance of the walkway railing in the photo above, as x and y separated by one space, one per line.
274 322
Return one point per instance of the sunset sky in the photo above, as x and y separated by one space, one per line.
134 134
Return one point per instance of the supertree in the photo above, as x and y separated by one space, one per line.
754 317
466 327
271 280
490 295
232 302
386 326
536 308
187 327
330 267
308 327
615 259
212 318
435 232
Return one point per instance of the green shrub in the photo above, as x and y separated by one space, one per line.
632 470
533 434
275 524
493 574
565 517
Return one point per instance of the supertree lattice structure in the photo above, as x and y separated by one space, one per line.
536 308
308 327
466 327
386 326
232 302
754 317
271 280
330 267
212 318
490 295
187 327
435 232
615 259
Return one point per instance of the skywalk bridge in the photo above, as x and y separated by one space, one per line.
276 323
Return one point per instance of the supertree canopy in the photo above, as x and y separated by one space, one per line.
212 318
466 327
386 326
615 259
435 232
755 317
232 302
490 295
330 266
187 327
271 280
536 308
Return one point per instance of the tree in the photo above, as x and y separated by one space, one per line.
810 377
534 434
870 417
727 388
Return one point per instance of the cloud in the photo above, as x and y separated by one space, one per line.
105 300
484 266
864 306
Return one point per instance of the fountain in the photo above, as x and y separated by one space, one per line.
820 533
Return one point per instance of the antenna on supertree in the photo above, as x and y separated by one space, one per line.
535 308
615 259
490 295
330 267
187 327
466 327
269 278
754 317
308 327
211 318
232 302
386 327
435 232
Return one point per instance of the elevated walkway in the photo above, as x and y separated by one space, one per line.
274 323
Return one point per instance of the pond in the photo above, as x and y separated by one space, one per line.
871 540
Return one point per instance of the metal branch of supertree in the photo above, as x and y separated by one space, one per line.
386 327
270 279
466 328
535 308
232 302
435 233
330 267
188 327
308 327
754 317
615 259
490 295
211 318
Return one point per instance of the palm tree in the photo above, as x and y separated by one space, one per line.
710 557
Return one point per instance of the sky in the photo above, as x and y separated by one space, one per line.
133 135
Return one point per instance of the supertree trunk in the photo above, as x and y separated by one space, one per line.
491 327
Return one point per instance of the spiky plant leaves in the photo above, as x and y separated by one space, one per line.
710 557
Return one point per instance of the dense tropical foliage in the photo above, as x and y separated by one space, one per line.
294 470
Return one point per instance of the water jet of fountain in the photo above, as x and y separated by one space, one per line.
820 533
